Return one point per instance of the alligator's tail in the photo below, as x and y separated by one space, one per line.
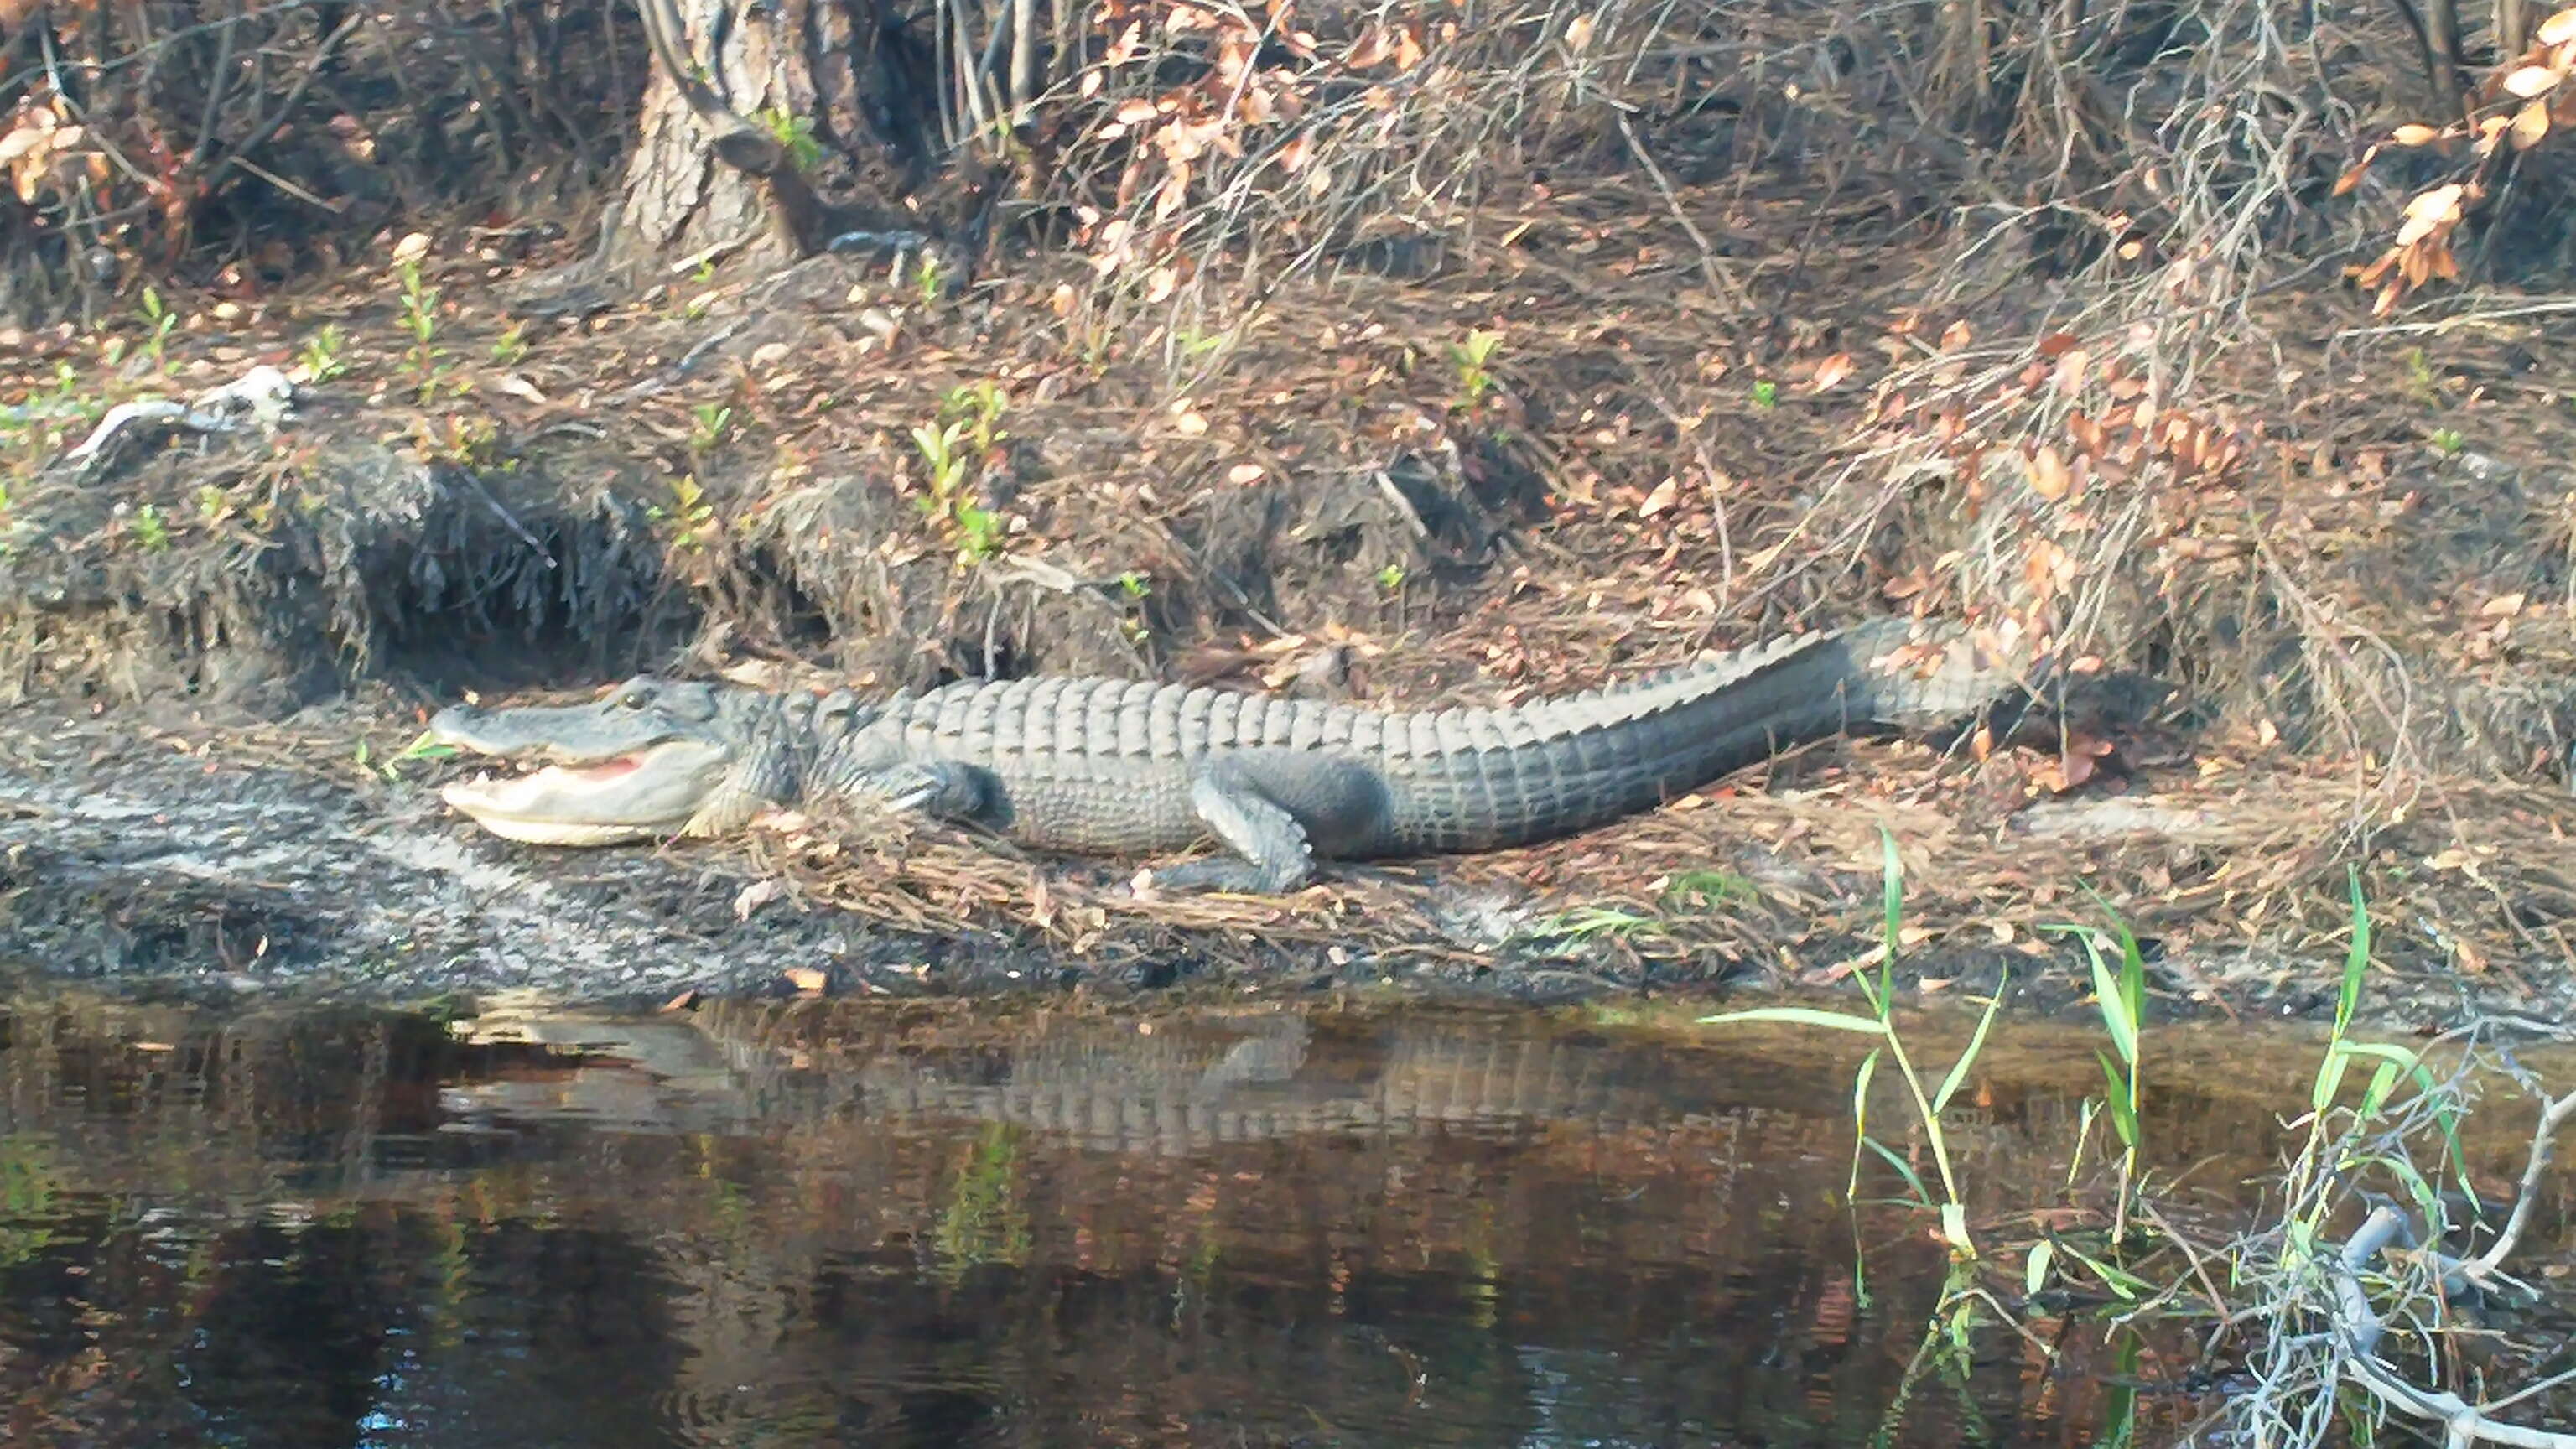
1916 673
1580 761
1892 671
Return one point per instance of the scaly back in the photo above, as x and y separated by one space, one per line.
1140 719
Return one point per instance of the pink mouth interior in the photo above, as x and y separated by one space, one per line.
605 769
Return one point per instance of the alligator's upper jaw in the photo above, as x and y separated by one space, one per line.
648 794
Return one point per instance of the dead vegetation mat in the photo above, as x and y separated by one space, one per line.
2235 874
830 466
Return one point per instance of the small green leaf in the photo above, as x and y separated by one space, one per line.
1959 1069
2127 1285
1860 1116
1922 1196
424 748
2356 960
2124 1118
2321 1093
2034 1273
2112 1003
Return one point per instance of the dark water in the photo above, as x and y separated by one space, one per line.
825 1225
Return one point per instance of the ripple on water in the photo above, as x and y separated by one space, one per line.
840 1225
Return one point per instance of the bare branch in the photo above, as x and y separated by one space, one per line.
2358 1327
2553 1116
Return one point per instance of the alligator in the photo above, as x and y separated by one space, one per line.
1129 767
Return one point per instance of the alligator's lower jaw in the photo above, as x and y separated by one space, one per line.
556 832
548 806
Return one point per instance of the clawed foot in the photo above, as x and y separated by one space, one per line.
944 792
1222 873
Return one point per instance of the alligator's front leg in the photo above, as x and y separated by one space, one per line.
1272 853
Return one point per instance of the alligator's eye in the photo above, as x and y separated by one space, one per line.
633 699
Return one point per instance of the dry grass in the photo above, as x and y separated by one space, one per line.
2079 263
2234 870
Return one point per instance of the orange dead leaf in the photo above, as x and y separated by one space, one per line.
1408 49
1175 192
2413 135
2430 212
2044 567
2524 82
1661 499
2048 476
2558 29
2070 371
1832 371
2530 124
2075 764
806 979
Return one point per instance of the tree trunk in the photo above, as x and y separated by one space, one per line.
845 77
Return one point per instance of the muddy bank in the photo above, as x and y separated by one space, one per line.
302 864
243 630
141 866
292 866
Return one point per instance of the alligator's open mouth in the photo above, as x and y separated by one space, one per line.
643 794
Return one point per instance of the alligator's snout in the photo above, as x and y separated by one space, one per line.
611 779
465 727
452 725
531 734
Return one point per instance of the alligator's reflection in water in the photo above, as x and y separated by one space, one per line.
814 1224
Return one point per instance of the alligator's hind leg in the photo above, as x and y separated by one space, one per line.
1273 855
942 789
